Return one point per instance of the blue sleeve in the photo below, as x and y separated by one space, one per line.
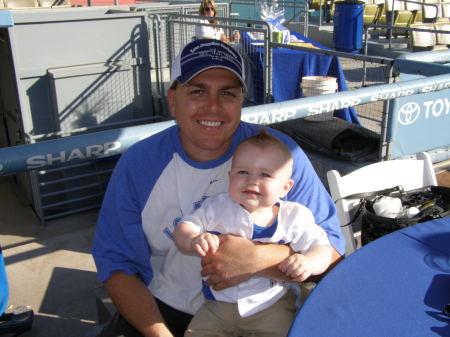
309 191
120 243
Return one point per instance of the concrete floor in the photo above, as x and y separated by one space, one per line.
49 268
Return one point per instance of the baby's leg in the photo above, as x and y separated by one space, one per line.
213 319
274 321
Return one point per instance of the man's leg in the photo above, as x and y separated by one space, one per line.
177 322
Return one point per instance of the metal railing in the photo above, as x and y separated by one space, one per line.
169 30
22 158
179 29
359 70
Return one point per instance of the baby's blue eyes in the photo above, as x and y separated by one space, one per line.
262 174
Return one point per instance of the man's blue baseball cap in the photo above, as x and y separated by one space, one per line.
204 54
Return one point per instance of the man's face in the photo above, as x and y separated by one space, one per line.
208 112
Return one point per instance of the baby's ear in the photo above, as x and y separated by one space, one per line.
288 186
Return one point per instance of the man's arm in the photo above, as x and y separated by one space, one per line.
136 304
238 259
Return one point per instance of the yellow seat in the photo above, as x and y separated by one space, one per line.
445 12
416 9
442 38
371 13
418 16
54 3
17 4
402 17
431 10
422 39
315 4
381 18
327 7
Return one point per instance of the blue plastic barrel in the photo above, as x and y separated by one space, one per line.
348 26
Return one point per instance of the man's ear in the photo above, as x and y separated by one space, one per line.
171 101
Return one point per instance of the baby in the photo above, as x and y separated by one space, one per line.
260 176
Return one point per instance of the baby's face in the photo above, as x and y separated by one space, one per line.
259 177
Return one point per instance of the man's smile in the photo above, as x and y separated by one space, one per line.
210 123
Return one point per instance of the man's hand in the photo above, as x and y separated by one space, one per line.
231 264
238 259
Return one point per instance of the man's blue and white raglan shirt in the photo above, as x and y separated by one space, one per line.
294 226
155 184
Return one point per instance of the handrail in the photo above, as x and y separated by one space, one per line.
103 144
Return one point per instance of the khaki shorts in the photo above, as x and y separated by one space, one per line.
217 319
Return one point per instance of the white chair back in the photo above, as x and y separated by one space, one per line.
409 173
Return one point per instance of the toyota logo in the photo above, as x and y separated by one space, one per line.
408 113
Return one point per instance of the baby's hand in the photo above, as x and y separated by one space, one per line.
297 266
205 242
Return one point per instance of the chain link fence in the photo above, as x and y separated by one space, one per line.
174 30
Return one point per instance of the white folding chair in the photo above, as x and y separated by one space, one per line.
408 173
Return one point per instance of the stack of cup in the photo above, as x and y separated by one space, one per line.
318 85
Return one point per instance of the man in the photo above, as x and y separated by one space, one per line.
167 176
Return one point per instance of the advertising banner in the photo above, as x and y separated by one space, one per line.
420 122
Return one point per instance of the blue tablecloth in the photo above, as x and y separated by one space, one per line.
288 68
397 285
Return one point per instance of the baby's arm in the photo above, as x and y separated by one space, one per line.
299 267
189 241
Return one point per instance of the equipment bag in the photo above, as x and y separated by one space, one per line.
429 202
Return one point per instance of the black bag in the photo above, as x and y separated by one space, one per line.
432 201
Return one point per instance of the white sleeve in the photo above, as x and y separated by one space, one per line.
304 233
203 216
219 33
202 31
